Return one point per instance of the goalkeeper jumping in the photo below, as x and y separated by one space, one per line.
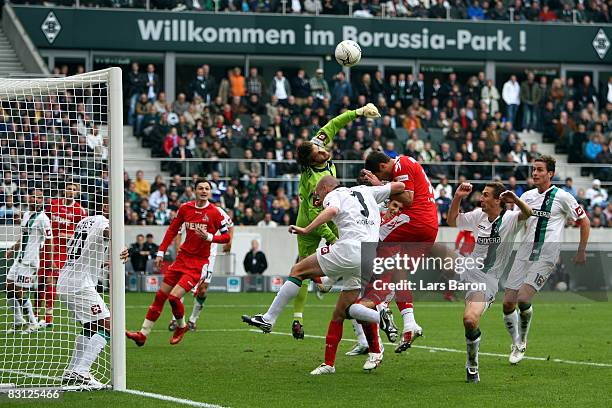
315 162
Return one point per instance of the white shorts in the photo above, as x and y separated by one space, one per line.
478 277
342 262
533 273
24 276
87 305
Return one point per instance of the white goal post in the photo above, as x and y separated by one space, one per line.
62 320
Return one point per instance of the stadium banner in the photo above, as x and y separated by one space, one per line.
134 30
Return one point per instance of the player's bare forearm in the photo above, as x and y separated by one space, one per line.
585 231
526 210
324 217
453 211
397 188
406 197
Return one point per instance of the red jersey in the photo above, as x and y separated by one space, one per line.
191 216
64 219
423 210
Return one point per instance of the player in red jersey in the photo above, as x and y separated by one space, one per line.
202 220
64 213
420 227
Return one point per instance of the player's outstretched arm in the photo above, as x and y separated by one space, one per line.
322 230
463 191
327 132
510 197
324 217
585 231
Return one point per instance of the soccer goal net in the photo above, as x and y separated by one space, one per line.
61 232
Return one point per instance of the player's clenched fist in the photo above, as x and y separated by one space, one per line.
508 196
464 190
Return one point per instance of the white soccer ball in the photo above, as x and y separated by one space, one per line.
348 53
561 286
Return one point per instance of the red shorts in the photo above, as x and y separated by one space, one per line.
186 271
413 240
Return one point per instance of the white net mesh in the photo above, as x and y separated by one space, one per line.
54 230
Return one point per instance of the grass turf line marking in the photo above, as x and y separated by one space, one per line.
450 350
171 399
331 306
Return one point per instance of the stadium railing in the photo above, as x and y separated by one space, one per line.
348 170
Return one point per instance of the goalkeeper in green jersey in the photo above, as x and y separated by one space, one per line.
315 162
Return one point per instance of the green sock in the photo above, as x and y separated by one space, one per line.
299 303
200 300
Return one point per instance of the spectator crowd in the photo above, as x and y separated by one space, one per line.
593 11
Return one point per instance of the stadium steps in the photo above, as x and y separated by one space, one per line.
549 148
137 157
9 63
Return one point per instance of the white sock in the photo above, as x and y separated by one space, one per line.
77 353
197 310
326 281
511 323
93 346
15 306
29 310
408 317
147 326
288 291
525 317
360 312
361 338
181 322
472 352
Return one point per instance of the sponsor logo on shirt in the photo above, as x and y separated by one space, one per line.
488 240
542 214
403 177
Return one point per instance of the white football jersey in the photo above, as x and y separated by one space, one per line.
494 240
87 252
544 230
359 217
35 229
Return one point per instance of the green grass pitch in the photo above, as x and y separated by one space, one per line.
225 363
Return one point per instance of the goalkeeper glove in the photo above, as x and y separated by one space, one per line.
369 111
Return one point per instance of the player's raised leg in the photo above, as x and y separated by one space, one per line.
306 268
155 310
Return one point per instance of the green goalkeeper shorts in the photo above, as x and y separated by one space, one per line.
307 244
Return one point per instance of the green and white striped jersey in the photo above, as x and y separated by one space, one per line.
494 239
543 235
35 229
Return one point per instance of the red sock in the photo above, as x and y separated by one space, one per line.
50 295
40 298
371 332
178 309
403 305
157 306
334 335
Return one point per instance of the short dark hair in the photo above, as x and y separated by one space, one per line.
304 153
498 188
203 181
548 161
374 160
